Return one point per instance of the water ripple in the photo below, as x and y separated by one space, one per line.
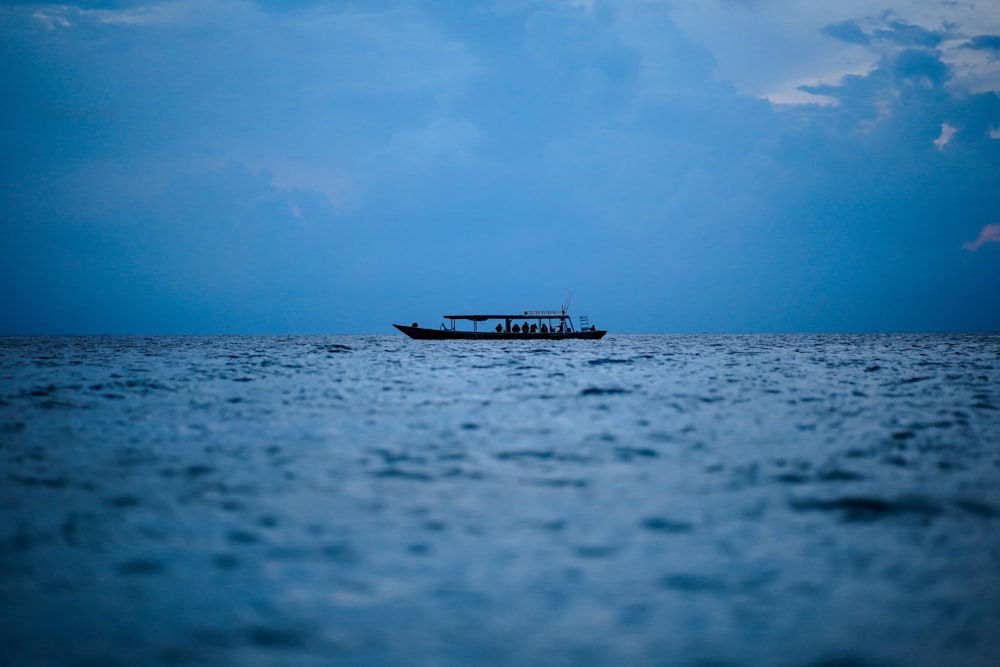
800 499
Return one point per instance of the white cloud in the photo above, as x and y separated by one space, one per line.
337 185
52 19
175 13
163 14
988 234
790 93
947 132
768 49
443 138
995 133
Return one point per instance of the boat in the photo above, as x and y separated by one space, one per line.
529 325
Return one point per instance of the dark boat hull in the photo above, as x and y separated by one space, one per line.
421 333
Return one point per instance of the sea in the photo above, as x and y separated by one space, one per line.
798 500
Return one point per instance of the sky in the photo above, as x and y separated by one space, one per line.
237 166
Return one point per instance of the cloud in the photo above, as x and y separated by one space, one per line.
173 13
947 132
904 33
988 234
770 50
984 43
442 139
901 79
886 28
397 50
920 67
52 20
847 31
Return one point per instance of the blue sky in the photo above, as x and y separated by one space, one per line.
225 166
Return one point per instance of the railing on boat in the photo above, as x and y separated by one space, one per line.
544 313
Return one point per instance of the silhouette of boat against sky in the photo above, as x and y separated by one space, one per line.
531 325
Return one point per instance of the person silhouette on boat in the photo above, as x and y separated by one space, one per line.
534 328
499 328
516 329
545 328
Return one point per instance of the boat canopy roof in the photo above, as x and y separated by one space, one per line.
528 314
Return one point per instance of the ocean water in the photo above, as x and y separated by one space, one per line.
372 500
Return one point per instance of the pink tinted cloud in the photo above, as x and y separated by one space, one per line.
989 234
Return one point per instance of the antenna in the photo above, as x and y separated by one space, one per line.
569 297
